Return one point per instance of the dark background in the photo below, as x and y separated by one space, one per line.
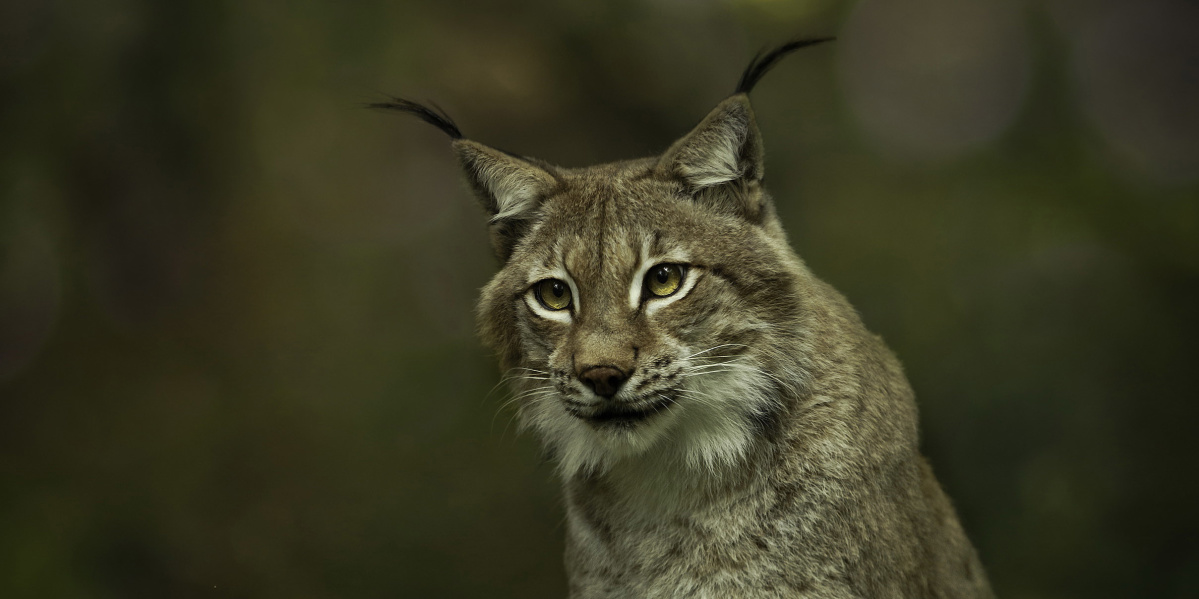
236 336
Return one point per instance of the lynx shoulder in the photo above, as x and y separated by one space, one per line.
722 422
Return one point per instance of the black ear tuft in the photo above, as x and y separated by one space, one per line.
762 63
434 116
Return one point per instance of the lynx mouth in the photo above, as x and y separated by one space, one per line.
625 414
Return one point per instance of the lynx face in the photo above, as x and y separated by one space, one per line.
645 308
637 318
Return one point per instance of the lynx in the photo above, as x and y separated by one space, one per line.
722 422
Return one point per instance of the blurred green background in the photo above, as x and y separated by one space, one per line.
236 336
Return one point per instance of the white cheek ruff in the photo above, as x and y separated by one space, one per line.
706 430
580 447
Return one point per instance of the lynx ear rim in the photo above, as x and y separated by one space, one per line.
508 186
724 147
764 61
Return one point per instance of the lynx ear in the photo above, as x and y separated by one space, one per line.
721 160
509 188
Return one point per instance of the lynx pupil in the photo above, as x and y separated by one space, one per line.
664 279
553 294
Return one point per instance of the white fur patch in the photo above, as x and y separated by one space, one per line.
715 431
706 429
638 283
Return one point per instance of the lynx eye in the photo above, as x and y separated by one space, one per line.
553 294
664 279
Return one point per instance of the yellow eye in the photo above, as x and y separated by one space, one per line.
553 294
664 279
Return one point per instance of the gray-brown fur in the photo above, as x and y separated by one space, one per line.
777 451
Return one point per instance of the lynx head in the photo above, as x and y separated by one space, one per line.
644 308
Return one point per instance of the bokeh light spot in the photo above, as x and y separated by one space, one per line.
1136 67
930 80
30 290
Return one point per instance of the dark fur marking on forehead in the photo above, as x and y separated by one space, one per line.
434 116
656 246
722 273
601 229
762 63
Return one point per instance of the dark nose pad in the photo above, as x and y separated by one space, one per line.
604 380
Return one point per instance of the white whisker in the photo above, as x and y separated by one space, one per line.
713 348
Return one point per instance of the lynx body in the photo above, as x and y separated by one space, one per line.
723 423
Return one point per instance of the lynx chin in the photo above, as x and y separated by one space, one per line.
722 422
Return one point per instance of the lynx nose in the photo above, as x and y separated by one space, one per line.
604 380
